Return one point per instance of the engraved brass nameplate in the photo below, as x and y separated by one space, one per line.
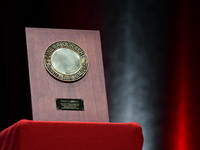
66 61
69 104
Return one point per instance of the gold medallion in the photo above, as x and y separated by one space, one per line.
66 61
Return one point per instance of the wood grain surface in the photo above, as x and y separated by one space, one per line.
45 89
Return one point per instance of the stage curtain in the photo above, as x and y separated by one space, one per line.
183 104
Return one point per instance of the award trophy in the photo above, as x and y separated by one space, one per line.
66 75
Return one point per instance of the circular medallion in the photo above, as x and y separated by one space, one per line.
66 61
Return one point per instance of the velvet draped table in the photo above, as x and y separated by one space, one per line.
49 135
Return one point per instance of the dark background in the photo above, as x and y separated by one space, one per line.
151 61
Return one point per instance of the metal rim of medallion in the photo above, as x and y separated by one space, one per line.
66 61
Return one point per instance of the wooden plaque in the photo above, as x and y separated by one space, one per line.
46 91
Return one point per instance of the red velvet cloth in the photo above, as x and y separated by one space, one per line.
47 135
